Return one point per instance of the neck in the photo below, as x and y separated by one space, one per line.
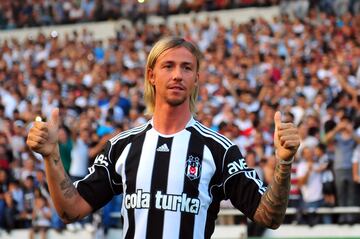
170 120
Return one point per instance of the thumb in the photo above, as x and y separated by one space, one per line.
54 118
277 119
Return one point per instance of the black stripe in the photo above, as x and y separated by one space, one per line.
213 210
191 186
131 168
214 207
159 180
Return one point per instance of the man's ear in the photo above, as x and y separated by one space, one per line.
197 79
150 76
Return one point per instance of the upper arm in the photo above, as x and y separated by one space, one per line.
83 207
81 210
241 184
102 182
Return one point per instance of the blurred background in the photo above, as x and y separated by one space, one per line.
87 57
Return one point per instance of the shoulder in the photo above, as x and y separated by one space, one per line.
211 135
125 135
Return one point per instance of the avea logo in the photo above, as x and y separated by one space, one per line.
237 166
101 160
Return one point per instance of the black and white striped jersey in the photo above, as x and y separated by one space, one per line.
172 185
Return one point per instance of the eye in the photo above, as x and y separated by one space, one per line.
188 68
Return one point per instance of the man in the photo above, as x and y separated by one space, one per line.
172 171
345 140
310 184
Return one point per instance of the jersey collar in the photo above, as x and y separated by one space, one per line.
190 123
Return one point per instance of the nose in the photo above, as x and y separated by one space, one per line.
177 74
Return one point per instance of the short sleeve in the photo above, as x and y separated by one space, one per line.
242 184
102 182
301 170
356 155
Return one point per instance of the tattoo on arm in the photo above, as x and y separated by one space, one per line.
67 187
69 191
273 204
55 159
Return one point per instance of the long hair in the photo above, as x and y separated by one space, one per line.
161 46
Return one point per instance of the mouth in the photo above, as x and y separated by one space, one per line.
177 87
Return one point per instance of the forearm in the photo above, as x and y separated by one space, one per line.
331 134
355 172
273 204
63 193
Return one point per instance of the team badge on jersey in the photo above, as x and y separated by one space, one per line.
193 167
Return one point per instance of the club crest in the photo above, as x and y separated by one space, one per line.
193 167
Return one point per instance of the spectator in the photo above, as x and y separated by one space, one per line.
29 199
327 174
41 216
80 152
327 179
309 180
356 171
3 190
345 142
65 147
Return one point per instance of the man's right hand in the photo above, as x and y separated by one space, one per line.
43 136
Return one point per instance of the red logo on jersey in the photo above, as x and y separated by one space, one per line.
193 167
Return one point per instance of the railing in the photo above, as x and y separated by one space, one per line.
289 211
292 211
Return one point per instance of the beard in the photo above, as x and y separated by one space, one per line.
176 101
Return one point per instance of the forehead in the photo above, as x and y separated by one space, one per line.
178 55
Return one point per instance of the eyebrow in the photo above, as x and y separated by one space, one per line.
173 62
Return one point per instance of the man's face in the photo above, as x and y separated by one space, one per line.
174 77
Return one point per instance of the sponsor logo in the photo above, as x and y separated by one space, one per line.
236 166
101 160
139 199
193 167
163 148
169 202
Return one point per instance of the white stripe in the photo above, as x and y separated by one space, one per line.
261 190
223 160
120 163
252 175
125 217
175 184
208 169
127 133
91 171
120 169
211 135
143 179
216 134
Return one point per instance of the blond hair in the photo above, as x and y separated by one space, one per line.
161 46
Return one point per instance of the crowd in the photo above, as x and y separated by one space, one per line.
308 68
30 13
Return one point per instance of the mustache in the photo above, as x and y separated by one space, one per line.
176 85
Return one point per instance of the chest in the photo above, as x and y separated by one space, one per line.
170 165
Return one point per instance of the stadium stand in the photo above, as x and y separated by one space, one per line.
300 57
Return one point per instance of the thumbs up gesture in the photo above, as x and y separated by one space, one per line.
43 136
286 139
